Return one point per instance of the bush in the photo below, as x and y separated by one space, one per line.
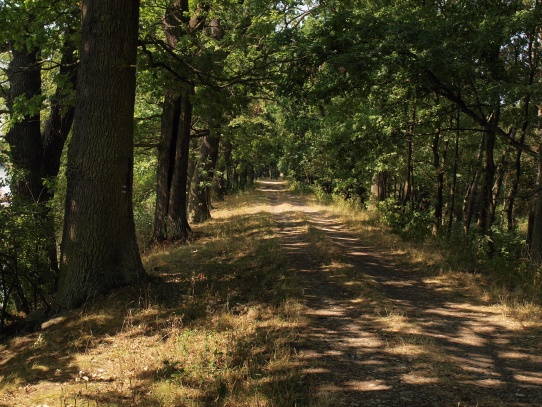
28 264
410 225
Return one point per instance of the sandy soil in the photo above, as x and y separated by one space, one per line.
388 335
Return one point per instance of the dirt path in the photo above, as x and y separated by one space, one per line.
379 334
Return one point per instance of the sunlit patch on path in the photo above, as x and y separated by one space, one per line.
380 334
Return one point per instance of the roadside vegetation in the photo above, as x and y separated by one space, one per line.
222 320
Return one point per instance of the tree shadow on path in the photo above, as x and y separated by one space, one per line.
382 334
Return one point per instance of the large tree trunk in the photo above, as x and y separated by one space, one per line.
199 206
24 136
99 248
38 154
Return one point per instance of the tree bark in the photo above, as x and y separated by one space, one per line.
535 220
469 201
484 219
178 226
379 187
169 134
438 165
221 178
453 186
199 206
99 250
408 194
38 154
24 136
60 120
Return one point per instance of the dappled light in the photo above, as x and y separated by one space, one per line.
276 302
404 337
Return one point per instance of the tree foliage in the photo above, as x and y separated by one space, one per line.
427 111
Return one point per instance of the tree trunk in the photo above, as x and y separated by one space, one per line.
500 174
379 189
535 220
453 186
408 189
38 154
408 194
178 227
512 193
486 210
439 170
470 197
24 136
199 206
533 70
221 179
99 248
169 133
59 124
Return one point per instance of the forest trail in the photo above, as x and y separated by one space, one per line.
379 333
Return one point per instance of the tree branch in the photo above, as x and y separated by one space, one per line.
442 89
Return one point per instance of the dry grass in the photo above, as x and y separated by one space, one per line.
520 298
221 325
218 329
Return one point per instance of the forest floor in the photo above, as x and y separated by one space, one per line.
279 301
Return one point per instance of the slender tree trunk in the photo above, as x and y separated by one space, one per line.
178 226
408 194
453 186
439 170
228 165
533 71
408 187
500 174
535 219
221 178
99 247
470 197
486 210
169 133
512 193
379 189
199 206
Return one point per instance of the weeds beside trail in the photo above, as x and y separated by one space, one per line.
277 302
